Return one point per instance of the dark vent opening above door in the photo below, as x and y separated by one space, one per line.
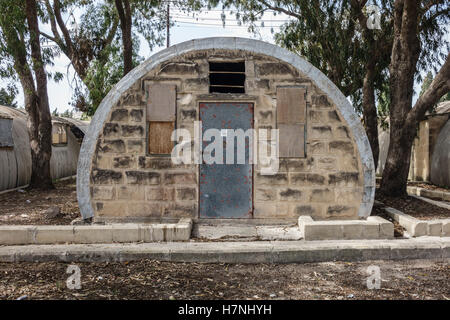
227 77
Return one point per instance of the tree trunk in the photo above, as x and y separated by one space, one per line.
39 118
405 54
370 112
124 11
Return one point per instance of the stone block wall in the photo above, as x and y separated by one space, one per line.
128 184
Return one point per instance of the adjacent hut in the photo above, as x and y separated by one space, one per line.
125 171
15 154
430 151
440 160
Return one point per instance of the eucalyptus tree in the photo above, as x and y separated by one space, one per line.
24 59
102 39
419 42
340 39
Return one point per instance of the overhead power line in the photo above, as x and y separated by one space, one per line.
219 19
199 24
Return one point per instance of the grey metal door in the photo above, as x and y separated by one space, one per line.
226 189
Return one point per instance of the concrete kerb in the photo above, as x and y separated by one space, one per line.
372 228
434 202
111 233
419 228
236 252
422 192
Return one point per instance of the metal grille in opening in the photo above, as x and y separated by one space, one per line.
227 77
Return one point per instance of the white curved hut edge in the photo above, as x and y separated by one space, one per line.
229 43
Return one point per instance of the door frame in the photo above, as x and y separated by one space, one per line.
244 100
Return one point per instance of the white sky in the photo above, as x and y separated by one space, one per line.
186 28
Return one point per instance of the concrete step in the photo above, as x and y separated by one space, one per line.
246 232
236 252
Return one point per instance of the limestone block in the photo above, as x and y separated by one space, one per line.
135 146
100 176
136 115
113 146
124 162
129 232
307 179
159 193
180 178
54 234
142 177
16 235
93 234
111 208
386 227
445 227
415 227
434 228
130 193
180 210
103 192
119 115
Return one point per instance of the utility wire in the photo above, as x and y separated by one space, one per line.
220 25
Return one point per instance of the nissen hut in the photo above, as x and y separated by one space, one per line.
320 160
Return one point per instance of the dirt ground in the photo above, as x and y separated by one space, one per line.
428 186
28 206
174 281
414 207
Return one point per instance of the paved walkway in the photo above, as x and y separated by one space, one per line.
236 252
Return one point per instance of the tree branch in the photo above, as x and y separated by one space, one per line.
53 26
438 87
280 9
62 26
49 37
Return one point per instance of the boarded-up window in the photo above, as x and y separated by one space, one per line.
159 134
161 102
59 135
6 139
291 121
161 115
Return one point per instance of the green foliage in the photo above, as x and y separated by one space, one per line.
383 105
106 67
8 96
426 84
13 37
15 43
329 35
103 74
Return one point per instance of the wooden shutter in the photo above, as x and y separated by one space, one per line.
291 121
292 140
159 134
161 115
161 102
59 134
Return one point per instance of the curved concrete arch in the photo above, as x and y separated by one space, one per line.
230 43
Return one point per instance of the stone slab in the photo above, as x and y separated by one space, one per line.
372 228
236 252
121 233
